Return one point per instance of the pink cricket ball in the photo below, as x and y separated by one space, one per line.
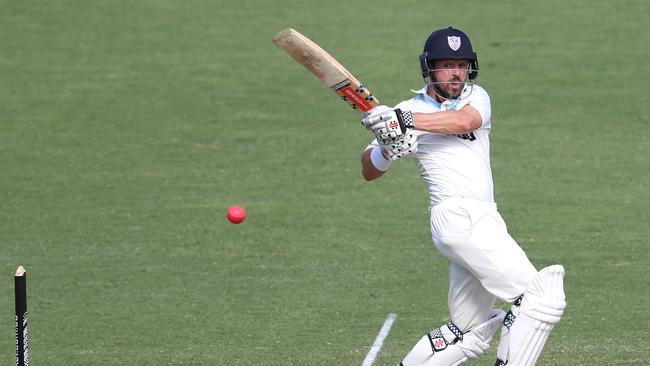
236 214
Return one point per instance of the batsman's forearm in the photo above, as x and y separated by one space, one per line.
447 122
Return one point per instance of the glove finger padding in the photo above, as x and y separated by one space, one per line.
399 148
378 109
388 123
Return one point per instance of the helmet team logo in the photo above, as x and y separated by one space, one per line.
453 42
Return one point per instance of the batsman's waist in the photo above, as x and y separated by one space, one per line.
461 202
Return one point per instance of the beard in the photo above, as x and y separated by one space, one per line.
450 89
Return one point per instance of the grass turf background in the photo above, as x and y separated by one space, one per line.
128 128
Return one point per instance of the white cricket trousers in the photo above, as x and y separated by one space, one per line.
486 263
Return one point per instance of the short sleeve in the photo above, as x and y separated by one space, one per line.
480 100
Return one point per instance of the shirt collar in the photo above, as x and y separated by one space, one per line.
447 105
422 94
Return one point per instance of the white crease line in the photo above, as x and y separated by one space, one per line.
379 341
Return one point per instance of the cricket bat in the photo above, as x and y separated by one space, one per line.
326 68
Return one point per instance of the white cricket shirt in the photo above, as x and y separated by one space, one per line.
454 166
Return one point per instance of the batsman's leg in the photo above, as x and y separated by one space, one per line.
472 326
469 302
528 325
448 346
475 237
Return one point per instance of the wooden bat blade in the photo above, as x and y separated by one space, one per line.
325 67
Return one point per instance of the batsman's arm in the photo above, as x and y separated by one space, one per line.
465 120
368 169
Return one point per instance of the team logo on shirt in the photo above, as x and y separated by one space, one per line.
454 42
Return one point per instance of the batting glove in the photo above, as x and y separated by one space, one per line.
388 124
404 145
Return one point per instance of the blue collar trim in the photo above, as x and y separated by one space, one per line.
448 105
422 94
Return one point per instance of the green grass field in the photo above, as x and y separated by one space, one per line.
127 128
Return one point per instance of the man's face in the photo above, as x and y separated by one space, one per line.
450 75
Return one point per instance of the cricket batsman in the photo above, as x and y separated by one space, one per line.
445 127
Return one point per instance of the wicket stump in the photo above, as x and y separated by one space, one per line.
22 332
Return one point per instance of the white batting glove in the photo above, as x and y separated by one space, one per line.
378 109
404 145
388 124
